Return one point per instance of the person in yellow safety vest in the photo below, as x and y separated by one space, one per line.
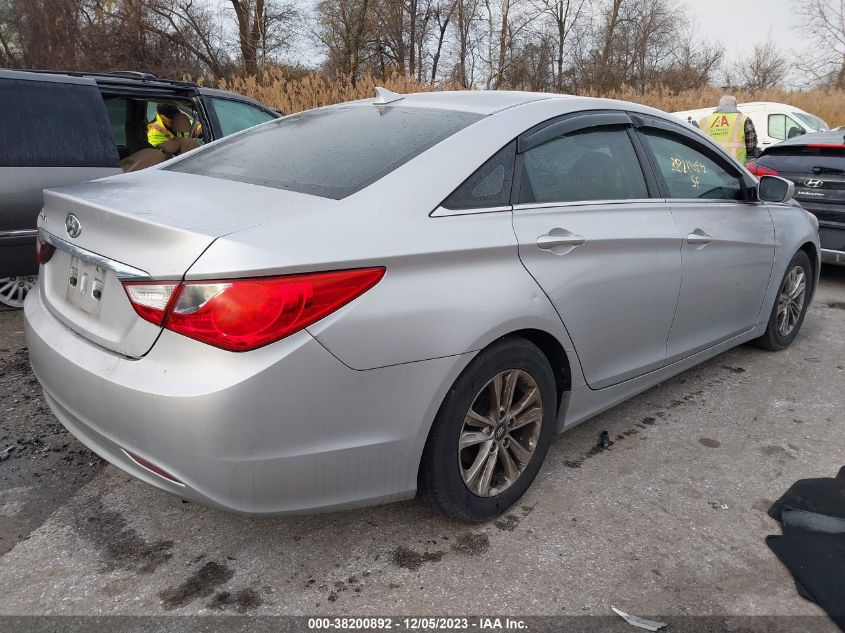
731 129
161 129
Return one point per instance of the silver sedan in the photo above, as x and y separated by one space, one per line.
405 295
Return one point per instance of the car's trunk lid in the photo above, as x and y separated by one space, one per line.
152 225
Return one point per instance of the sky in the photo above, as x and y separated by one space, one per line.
739 24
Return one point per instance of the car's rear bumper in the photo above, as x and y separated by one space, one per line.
284 428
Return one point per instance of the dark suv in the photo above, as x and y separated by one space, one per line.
64 128
816 164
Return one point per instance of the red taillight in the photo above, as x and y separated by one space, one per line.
43 251
758 170
826 145
244 314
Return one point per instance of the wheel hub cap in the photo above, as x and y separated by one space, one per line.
791 300
13 290
500 433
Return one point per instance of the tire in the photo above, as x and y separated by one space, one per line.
453 481
784 327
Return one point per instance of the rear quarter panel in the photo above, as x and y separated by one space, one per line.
453 284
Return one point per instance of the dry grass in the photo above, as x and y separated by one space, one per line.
315 90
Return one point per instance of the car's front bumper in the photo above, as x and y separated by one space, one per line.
284 428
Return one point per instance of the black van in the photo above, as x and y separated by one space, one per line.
64 128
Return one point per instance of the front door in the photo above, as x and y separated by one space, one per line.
728 248
607 256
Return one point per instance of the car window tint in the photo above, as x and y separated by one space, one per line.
690 172
235 116
116 110
52 124
489 185
587 165
330 152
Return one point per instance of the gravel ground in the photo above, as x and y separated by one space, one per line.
670 520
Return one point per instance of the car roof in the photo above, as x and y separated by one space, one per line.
487 102
478 101
831 137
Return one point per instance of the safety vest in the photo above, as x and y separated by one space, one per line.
728 130
158 133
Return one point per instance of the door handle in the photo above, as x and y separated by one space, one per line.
559 237
698 238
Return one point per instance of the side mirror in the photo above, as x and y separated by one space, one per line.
794 131
776 189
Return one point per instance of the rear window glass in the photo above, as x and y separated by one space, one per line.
802 159
330 152
52 124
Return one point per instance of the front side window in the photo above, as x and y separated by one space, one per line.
781 127
689 171
329 152
235 116
596 164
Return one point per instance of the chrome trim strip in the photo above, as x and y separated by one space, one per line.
442 212
830 256
121 271
528 206
19 233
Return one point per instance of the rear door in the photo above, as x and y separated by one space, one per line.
54 131
729 243
606 253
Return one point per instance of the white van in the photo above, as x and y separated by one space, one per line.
774 122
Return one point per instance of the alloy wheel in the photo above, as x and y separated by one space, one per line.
791 300
13 290
500 433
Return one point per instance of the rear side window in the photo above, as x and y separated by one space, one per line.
235 116
330 152
489 186
597 164
51 124
690 172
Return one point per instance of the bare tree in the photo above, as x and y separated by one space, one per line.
344 28
765 68
824 24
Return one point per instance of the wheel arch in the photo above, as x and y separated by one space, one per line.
555 353
815 262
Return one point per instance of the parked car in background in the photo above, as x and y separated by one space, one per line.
816 164
64 128
774 122
408 293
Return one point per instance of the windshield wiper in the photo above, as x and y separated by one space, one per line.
828 170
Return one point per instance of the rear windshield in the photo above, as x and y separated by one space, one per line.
803 159
330 152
